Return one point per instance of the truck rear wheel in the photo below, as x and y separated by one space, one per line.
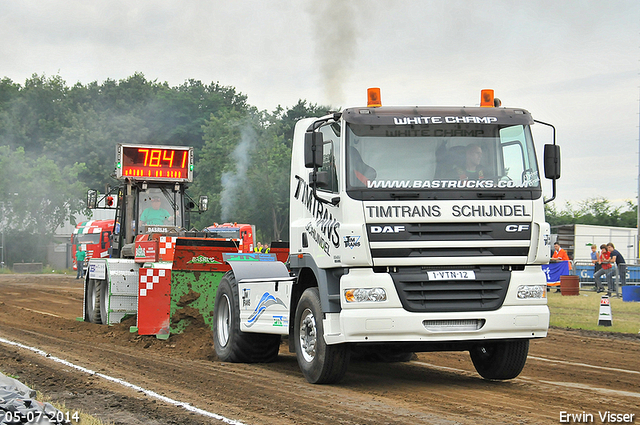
500 360
96 301
231 344
320 363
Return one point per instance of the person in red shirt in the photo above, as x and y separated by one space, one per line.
606 269
560 254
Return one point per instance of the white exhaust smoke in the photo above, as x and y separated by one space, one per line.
234 181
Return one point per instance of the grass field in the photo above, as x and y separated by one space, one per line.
582 312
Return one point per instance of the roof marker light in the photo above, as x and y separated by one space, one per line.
486 98
373 97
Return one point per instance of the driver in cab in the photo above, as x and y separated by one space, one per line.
471 169
154 215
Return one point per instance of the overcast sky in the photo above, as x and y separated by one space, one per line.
575 64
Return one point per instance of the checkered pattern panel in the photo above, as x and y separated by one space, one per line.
148 277
167 244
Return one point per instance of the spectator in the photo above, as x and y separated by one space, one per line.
594 258
560 254
617 259
80 257
605 270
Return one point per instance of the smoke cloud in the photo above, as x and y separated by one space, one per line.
234 181
335 34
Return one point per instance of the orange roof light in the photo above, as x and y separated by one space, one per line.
373 97
486 98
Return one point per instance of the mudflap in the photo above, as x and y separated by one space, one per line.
264 294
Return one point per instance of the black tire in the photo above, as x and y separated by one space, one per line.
96 301
500 360
320 363
230 343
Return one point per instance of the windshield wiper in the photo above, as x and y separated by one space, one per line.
492 195
405 195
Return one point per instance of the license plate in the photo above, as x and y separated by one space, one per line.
452 275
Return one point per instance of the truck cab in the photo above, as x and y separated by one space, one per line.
413 229
243 235
93 237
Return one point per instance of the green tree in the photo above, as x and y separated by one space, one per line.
8 91
36 115
245 164
91 138
37 196
67 136
219 173
273 166
595 211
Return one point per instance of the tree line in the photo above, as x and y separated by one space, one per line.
57 141
596 211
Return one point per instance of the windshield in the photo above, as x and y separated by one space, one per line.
86 238
443 157
224 233
159 207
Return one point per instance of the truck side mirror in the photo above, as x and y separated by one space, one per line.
92 199
313 144
203 203
104 239
552 162
320 179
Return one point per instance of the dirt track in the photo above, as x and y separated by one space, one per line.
568 371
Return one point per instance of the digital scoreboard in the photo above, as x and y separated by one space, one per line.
165 163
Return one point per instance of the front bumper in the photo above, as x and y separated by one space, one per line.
398 325
388 321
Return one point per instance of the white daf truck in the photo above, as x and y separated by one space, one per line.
412 229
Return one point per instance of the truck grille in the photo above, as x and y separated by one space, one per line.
425 240
450 252
484 293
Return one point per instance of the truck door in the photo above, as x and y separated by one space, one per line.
325 236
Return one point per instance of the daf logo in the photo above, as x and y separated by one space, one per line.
387 229
512 228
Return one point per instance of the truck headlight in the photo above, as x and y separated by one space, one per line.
532 291
359 295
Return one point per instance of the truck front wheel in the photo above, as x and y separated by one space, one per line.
231 344
500 360
320 363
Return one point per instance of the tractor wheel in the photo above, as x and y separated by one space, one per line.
96 301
